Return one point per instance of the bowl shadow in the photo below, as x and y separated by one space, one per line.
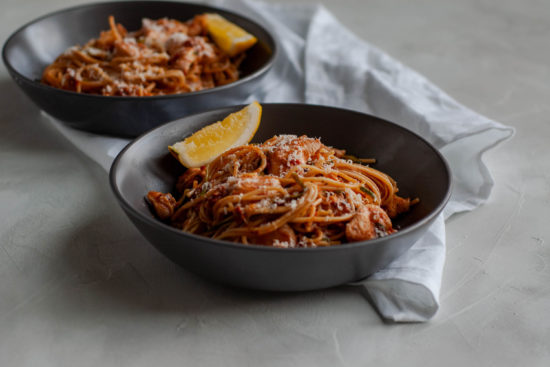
126 275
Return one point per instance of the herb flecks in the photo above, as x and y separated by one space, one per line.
359 160
367 191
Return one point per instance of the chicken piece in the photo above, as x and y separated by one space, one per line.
126 48
369 222
176 42
397 206
155 33
197 26
163 204
286 151
196 47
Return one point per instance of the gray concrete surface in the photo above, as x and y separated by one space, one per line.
79 286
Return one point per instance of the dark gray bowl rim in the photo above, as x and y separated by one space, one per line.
154 221
255 74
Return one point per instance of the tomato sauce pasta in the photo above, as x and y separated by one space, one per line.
289 191
164 56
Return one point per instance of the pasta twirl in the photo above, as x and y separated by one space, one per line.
289 191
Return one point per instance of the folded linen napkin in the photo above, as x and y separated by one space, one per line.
311 68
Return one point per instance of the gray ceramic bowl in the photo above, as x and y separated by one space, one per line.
419 169
35 45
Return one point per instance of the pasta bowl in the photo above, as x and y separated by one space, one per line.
145 164
35 45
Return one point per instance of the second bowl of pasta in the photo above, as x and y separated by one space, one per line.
295 209
121 68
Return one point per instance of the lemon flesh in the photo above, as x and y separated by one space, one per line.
209 142
228 36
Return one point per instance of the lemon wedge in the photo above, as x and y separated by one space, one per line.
209 142
228 36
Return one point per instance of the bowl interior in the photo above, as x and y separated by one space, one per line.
420 171
38 43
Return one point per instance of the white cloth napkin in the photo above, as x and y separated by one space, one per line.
313 68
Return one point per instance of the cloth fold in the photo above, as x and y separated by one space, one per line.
311 67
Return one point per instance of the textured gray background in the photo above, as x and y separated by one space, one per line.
79 285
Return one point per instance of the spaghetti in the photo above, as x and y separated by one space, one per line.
289 191
164 56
